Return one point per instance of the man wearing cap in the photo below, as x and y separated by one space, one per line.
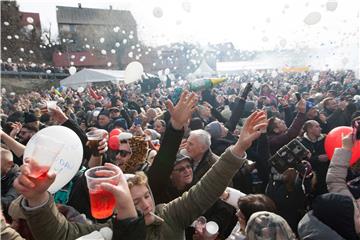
180 178
103 120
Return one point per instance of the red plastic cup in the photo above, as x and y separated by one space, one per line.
102 202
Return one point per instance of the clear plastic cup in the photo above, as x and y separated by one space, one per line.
51 105
43 154
102 202
94 137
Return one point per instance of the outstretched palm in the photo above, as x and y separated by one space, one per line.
183 110
251 130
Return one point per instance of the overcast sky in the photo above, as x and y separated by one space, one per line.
251 24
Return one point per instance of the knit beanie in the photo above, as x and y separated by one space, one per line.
214 128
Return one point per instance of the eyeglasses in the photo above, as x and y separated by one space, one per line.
182 169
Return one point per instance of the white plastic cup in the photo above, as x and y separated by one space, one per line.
51 105
211 229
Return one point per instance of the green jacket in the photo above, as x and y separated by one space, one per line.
47 223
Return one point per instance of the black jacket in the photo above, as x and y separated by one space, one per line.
8 192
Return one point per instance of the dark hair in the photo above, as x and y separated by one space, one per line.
253 203
30 127
308 124
271 125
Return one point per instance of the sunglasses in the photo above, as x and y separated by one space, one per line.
182 169
123 153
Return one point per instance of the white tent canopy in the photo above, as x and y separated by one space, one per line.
204 70
88 75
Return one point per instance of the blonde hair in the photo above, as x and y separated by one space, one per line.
139 178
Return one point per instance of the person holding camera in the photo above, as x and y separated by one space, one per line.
314 141
291 181
279 134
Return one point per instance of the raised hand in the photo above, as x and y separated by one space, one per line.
301 106
33 189
251 130
16 127
124 204
56 113
183 110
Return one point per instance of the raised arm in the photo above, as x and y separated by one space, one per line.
160 171
201 196
337 172
16 147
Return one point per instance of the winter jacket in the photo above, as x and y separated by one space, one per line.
9 233
158 174
205 164
336 179
46 222
311 228
320 168
8 192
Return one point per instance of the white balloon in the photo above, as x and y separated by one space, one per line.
274 74
116 29
117 44
48 71
80 89
30 27
257 84
130 54
102 40
103 52
72 70
167 71
315 78
133 72
29 19
68 161
113 51
124 41
158 12
109 64
186 6
6 23
331 5
282 42
312 18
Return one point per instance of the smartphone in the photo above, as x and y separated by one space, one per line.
298 96
137 121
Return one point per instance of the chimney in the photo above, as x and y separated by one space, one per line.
110 7
79 5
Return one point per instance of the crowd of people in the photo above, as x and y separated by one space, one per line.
37 68
183 157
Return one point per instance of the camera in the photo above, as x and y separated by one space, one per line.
289 156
